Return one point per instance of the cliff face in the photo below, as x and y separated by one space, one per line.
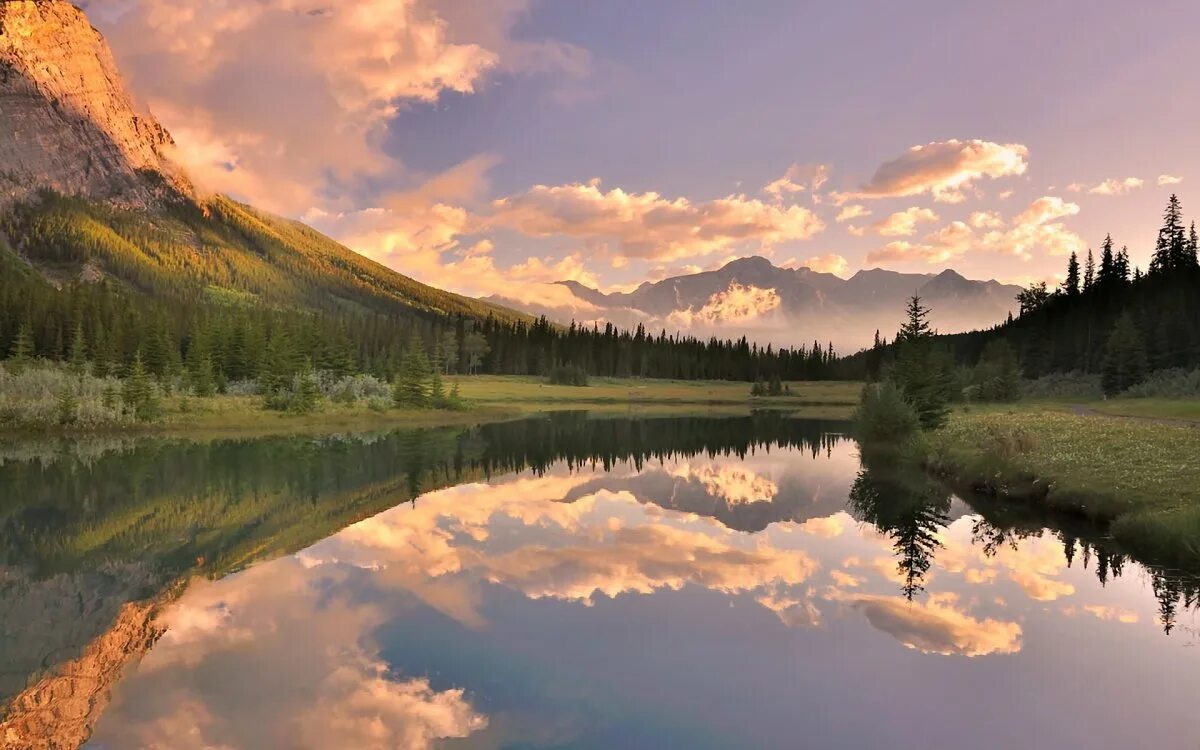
66 121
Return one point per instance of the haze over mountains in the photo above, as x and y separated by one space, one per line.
788 306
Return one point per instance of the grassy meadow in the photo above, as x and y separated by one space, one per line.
1143 476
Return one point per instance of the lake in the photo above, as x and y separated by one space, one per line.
566 581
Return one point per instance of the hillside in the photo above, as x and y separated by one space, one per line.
220 251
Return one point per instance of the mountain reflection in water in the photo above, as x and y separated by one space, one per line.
564 582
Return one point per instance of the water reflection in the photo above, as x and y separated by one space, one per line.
563 582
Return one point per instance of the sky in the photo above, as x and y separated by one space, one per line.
491 148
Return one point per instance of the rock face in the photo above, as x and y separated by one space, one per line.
66 121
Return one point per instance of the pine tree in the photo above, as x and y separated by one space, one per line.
1071 286
67 406
1121 265
306 393
1125 357
138 394
923 371
437 390
1170 249
22 350
1089 271
78 352
1193 247
409 390
1107 259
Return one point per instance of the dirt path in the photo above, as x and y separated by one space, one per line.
1080 410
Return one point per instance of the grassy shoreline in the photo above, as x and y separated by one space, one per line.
1140 477
490 398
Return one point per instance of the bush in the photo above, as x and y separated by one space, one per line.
1063 386
46 395
352 388
1174 383
884 417
573 375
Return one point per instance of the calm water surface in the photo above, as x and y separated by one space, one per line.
566 583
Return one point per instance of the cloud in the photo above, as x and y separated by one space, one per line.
792 611
1038 228
944 169
852 211
736 485
798 178
736 305
649 226
937 626
286 102
1110 186
285 616
904 223
830 263
1168 179
827 527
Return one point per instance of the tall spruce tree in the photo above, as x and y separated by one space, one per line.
1089 271
1170 249
923 370
1107 261
1071 285
1193 247
410 391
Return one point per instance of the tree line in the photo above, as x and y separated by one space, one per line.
1107 318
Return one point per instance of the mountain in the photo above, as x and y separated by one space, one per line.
67 120
88 192
791 306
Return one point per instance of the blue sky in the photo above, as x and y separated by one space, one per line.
418 131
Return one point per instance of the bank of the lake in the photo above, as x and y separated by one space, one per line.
1140 475
485 398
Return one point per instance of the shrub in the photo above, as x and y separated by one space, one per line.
1063 386
1174 383
44 395
885 417
352 388
573 375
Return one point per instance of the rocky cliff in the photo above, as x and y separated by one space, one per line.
67 121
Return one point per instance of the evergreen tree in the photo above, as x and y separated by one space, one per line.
78 353
138 394
1121 266
67 406
22 350
1125 357
410 390
923 370
306 392
1071 285
437 390
998 374
1107 260
1170 249
1193 247
1089 271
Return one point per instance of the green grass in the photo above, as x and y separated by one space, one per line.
1142 476
527 391
1151 408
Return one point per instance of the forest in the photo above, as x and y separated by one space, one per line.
243 294
1107 317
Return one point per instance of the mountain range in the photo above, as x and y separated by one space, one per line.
789 306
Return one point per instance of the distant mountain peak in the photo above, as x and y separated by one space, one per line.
67 120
